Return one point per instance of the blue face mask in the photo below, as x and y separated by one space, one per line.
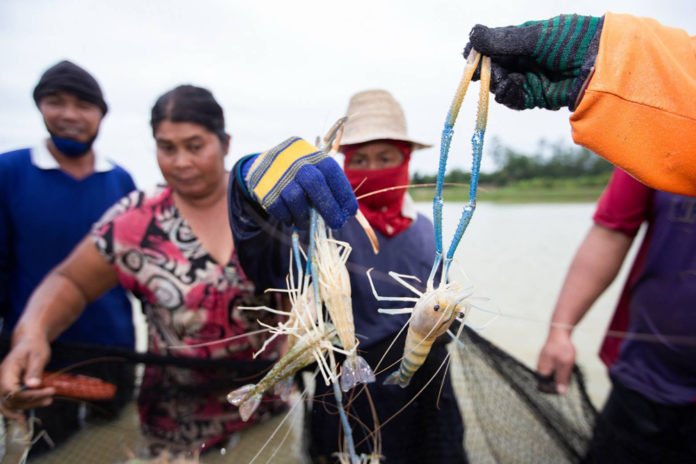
71 148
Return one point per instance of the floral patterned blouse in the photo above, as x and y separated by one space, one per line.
189 299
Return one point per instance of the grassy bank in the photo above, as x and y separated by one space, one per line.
540 190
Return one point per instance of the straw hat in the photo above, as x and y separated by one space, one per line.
376 115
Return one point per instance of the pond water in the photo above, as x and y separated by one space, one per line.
518 255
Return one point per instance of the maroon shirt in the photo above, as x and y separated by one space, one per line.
651 347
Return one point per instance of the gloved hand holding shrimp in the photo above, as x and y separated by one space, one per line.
324 280
439 305
435 309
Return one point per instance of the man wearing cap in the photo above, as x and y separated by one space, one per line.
50 195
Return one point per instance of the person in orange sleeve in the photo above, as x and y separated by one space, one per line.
630 83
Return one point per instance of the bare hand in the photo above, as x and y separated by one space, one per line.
557 358
20 377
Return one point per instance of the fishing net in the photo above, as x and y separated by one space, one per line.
507 418
110 432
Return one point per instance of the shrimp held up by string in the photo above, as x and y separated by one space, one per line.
436 308
19 438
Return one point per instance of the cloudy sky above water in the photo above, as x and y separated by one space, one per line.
278 68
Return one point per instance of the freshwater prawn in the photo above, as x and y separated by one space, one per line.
324 280
18 438
435 309
329 268
311 347
309 338
334 287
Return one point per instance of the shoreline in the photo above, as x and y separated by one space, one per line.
514 194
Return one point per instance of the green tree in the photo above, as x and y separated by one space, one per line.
549 161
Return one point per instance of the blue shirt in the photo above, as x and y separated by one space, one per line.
44 213
410 252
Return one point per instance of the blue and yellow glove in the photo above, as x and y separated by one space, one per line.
294 175
539 64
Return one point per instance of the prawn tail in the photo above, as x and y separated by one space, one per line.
355 370
247 408
245 399
395 378
283 388
237 396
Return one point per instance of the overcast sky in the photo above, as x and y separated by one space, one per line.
278 68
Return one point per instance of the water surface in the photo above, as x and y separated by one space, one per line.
518 255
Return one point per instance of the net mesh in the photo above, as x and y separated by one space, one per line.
507 418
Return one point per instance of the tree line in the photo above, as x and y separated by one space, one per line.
549 161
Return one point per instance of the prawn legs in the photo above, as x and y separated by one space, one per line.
435 309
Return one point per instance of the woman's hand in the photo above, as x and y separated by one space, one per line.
20 376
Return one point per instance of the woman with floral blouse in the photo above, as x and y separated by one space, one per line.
173 249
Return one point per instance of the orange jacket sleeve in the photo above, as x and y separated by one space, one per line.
639 108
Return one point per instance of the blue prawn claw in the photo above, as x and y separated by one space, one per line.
355 370
396 379
247 404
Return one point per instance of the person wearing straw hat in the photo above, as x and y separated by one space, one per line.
272 190
377 151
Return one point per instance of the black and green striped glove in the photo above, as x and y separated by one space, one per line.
539 64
